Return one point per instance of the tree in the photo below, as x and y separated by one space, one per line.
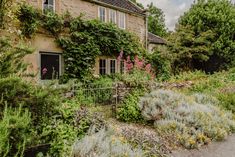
138 4
156 21
11 58
205 36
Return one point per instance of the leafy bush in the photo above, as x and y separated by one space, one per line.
193 120
53 23
129 110
29 20
11 58
161 63
14 132
227 101
104 144
40 102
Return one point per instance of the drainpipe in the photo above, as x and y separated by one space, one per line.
146 23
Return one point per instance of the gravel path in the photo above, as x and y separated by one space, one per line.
218 149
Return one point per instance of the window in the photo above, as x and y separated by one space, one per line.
102 67
122 20
102 14
50 66
112 66
112 16
49 5
122 67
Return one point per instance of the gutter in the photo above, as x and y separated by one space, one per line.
118 8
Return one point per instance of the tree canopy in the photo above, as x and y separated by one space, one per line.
205 36
156 21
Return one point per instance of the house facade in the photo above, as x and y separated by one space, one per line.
47 59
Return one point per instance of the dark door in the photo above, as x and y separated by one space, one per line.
50 66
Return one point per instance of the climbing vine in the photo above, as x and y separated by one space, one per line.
81 40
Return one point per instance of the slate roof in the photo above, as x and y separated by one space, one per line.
124 4
154 39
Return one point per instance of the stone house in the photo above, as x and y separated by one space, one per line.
125 14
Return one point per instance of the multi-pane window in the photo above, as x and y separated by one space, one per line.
112 16
102 14
50 66
112 66
122 67
122 20
102 67
48 5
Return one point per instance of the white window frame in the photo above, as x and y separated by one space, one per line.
111 67
111 12
108 66
120 20
106 69
49 53
53 5
105 14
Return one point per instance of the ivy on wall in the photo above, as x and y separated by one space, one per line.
81 40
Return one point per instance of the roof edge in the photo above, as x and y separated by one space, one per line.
119 8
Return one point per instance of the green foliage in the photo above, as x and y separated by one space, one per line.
88 39
40 102
161 64
191 120
138 4
204 38
29 20
104 143
53 23
227 101
156 21
11 58
136 78
14 132
129 110
4 8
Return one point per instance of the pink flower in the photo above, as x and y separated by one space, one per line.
148 68
44 71
119 58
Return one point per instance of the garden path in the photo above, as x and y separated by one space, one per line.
218 149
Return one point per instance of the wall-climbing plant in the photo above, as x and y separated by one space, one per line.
4 8
88 39
84 40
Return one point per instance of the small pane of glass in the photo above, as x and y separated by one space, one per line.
112 66
102 67
102 14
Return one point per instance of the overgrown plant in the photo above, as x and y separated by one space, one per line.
129 111
14 131
11 58
102 144
4 8
29 20
192 120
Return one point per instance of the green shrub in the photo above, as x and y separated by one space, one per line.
53 23
61 131
136 78
227 101
129 110
14 132
11 58
39 101
192 120
29 19
161 63
104 143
